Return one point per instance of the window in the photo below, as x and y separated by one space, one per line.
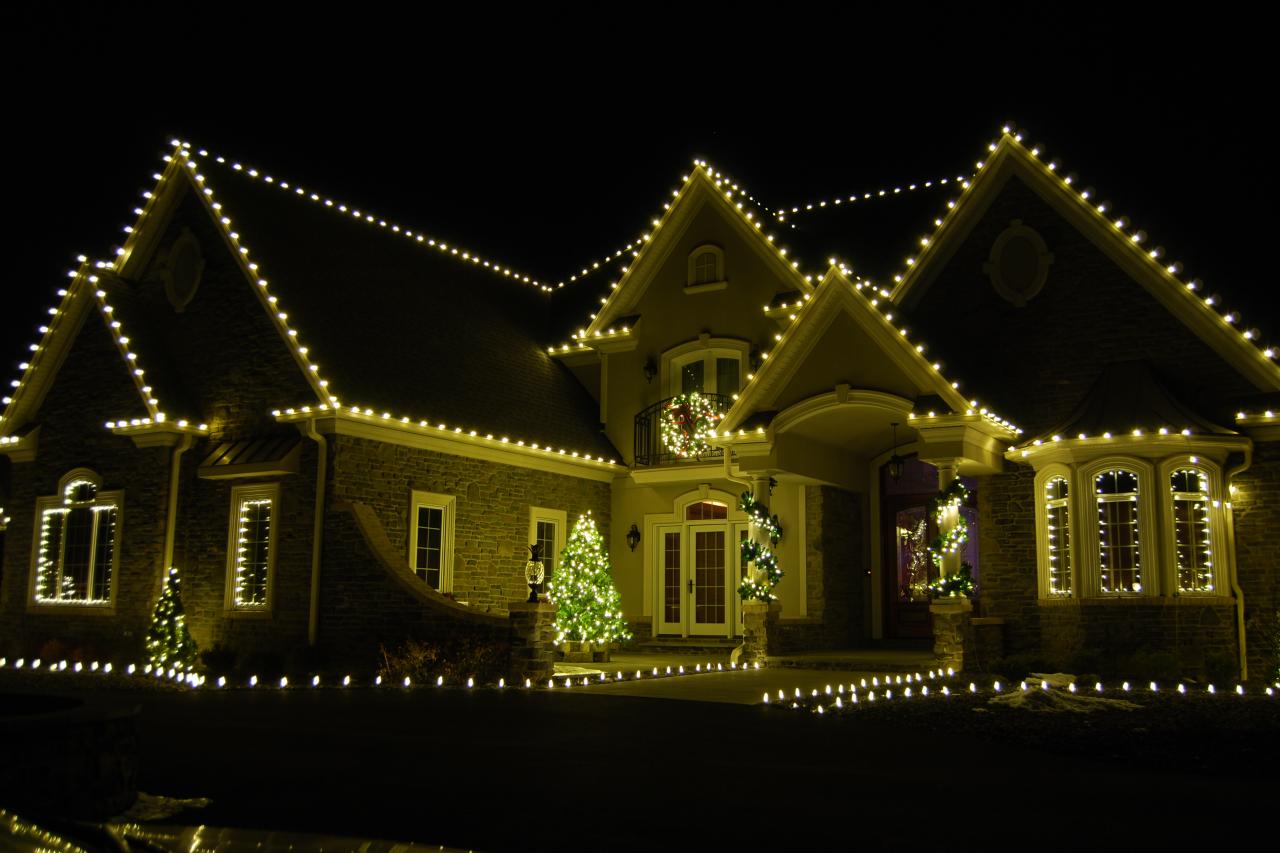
1119 548
706 267
1195 522
251 547
1057 508
1138 540
711 370
431 539
76 554
547 528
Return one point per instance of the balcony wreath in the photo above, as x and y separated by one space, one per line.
688 421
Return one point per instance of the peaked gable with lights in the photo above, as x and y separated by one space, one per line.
1030 289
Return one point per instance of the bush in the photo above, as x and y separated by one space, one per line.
264 664
219 660
456 660
1018 666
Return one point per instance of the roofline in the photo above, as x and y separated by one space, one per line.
453 441
1158 278
670 226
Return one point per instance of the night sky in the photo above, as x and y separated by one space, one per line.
547 151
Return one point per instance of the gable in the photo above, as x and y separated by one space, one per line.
844 354
1039 359
215 356
704 211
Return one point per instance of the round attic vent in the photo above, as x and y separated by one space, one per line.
183 270
1019 263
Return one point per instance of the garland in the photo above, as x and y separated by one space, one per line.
688 420
762 555
952 497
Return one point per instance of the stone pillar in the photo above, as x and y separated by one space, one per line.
533 653
951 630
950 515
760 635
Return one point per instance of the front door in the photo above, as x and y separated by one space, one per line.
697 584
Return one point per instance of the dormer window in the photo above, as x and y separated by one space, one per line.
706 268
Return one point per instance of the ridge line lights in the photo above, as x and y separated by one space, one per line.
440 429
372 219
853 198
729 189
271 303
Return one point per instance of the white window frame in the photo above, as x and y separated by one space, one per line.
1042 480
558 516
447 505
1212 474
1148 534
706 351
718 281
114 499
239 495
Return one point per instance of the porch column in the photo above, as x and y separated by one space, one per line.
760 492
950 515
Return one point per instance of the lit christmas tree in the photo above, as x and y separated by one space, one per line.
169 643
588 607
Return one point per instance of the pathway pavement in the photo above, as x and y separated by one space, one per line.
732 686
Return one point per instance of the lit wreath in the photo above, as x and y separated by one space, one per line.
687 422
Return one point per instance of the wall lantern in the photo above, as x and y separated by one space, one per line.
650 369
633 536
896 462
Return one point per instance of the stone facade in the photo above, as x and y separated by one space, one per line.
833 571
93 387
1189 636
491 521
1256 514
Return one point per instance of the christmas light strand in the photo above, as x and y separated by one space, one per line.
854 198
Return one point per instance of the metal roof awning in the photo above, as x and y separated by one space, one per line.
258 457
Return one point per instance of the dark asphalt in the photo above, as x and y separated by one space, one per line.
569 770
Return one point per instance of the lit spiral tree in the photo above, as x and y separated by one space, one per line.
588 607
169 643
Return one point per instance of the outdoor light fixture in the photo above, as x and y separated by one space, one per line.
650 369
895 461
754 359
633 536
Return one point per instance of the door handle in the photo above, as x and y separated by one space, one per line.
691 586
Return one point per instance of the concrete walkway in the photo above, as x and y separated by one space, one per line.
731 686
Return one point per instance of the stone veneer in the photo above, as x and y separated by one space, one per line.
491 518
1106 634
833 573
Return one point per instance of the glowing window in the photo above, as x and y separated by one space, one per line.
1058 534
252 546
76 554
1192 538
1119 547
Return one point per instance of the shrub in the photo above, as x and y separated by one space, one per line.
219 660
455 659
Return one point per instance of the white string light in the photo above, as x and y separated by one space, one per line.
853 198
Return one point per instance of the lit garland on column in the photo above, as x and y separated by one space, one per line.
588 607
950 541
768 574
169 643
688 420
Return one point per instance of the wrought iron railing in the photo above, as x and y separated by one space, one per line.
649 447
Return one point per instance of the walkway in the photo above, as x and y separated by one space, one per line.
733 686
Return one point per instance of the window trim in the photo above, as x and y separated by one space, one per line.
1043 478
239 494
718 282
447 505
706 350
1217 521
1156 528
540 513
115 499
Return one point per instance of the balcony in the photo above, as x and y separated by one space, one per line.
649 448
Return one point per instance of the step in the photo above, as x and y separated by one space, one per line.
686 646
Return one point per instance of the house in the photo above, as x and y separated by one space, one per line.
345 432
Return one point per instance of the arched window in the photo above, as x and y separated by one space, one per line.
76 555
1119 545
1192 530
1057 512
706 267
